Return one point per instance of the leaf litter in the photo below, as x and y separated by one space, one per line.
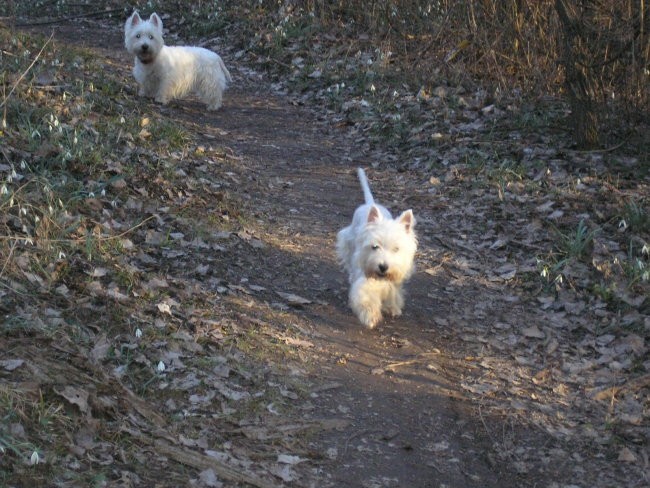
524 350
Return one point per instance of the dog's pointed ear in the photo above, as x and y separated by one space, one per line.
374 215
407 219
155 20
134 19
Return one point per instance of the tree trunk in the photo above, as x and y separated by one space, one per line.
579 80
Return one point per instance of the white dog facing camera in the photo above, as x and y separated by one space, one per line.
170 72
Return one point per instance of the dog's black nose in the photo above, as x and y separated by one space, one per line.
383 268
145 47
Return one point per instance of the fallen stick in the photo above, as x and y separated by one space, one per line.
199 461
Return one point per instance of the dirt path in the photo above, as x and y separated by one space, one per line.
408 420
409 424
306 188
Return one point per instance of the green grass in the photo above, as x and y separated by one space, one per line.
173 135
43 420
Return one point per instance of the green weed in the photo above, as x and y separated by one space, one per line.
636 217
576 244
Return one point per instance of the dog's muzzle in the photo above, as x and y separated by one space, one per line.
382 272
145 55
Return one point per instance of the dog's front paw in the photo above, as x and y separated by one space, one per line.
369 318
394 303
162 99
394 312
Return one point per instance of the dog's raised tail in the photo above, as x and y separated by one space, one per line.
225 70
367 194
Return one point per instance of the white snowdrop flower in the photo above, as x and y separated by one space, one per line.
138 334
103 192
4 190
559 279
23 210
37 219
29 240
91 194
161 367
35 459
645 249
395 94
544 272
11 201
75 140
13 173
372 88
622 224
4 123
23 164
122 120
114 203
64 96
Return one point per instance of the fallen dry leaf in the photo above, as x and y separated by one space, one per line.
533 332
75 396
293 299
626 455
11 364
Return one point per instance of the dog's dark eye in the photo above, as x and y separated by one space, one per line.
396 249
137 36
151 37
375 247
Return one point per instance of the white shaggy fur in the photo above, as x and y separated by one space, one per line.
168 72
377 251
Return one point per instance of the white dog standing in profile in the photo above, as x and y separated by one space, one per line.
168 72
377 251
